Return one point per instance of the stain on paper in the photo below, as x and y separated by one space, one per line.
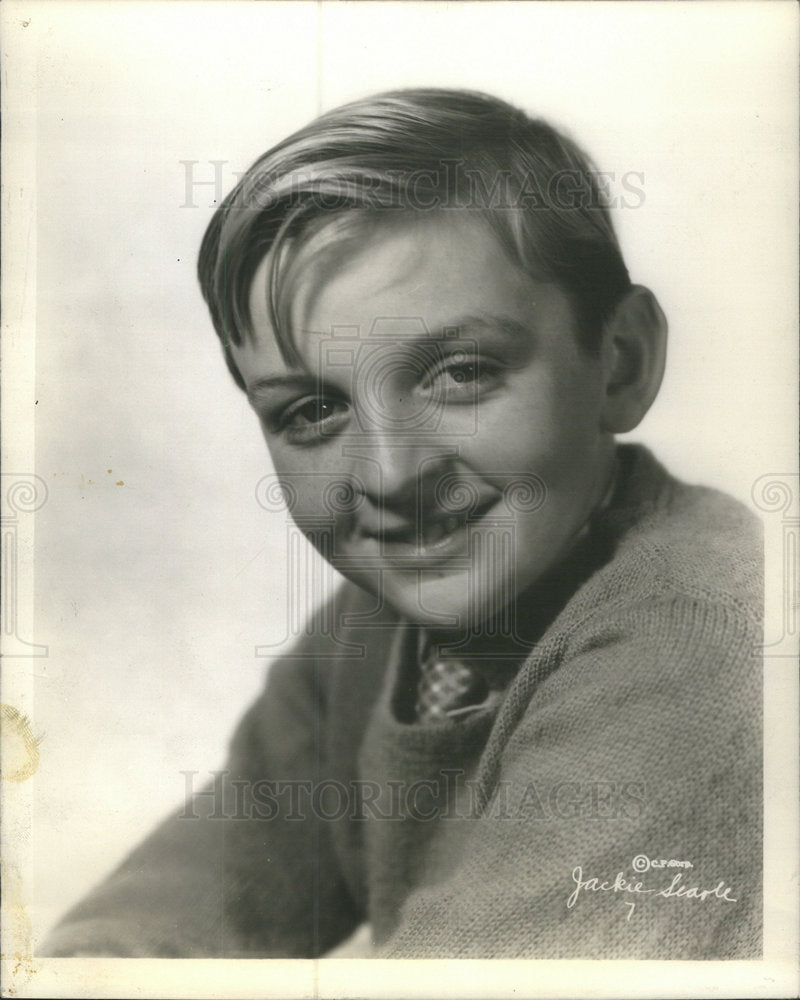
20 748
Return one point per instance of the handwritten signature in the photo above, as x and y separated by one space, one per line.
675 890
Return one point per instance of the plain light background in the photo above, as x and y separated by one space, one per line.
157 574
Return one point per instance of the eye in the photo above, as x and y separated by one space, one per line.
312 418
462 374
462 377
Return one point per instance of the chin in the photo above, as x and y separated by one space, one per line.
454 600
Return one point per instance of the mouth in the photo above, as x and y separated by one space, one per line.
435 539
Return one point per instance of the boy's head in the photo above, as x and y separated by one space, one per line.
424 298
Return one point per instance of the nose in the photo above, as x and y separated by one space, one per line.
391 470
393 445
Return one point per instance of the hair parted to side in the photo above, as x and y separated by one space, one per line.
422 150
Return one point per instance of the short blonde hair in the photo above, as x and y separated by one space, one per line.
421 150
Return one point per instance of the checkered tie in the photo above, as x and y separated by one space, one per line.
445 686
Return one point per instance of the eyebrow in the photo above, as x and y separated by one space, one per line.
483 323
292 380
449 331
477 322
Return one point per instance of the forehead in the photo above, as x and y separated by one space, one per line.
395 279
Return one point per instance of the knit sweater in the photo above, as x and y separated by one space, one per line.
608 807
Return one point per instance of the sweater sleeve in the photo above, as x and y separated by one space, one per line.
640 746
243 869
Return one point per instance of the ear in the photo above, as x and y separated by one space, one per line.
634 353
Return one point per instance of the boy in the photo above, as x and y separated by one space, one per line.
528 725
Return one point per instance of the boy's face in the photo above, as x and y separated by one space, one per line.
443 445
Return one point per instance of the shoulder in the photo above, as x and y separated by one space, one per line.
672 622
655 663
680 542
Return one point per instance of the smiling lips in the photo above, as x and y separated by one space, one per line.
437 537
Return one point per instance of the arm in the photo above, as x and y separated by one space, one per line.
645 741
230 874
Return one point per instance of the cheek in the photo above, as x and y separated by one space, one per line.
553 409
545 427
318 494
312 485
517 435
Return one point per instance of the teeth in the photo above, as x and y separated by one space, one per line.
437 530
432 532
